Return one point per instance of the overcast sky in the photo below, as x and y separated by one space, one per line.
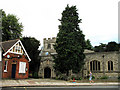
40 17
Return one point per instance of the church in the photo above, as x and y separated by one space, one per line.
99 63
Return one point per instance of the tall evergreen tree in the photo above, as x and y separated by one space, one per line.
70 43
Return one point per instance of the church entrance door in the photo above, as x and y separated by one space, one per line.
47 72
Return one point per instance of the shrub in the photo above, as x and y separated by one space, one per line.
93 77
56 78
104 77
35 75
72 77
76 77
30 75
98 78
119 77
62 77
80 78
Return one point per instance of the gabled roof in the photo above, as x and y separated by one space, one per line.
8 45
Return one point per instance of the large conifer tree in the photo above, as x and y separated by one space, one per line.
70 43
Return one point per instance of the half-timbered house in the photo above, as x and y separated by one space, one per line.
15 60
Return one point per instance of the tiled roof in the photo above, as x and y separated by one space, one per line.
8 44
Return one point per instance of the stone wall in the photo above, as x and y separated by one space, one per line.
98 56
14 60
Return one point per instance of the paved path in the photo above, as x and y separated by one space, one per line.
48 82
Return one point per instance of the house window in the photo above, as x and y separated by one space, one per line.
17 48
5 66
22 67
95 65
110 66
49 46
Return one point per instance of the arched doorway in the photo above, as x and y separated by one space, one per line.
47 72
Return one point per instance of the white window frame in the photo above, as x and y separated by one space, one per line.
18 48
22 67
5 65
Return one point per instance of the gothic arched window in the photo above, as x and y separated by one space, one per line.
95 65
110 66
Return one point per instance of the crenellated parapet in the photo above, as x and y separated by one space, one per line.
49 42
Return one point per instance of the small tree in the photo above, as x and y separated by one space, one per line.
88 45
70 43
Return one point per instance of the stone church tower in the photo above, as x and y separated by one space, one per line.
46 66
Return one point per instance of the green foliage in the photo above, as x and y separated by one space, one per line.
11 28
76 77
62 77
70 43
35 74
56 78
119 77
104 77
93 77
100 48
88 45
111 46
31 45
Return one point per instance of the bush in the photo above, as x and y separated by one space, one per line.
119 77
93 77
56 78
61 77
76 77
30 75
98 78
104 77
35 75
64 77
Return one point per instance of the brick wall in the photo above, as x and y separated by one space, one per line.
14 59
